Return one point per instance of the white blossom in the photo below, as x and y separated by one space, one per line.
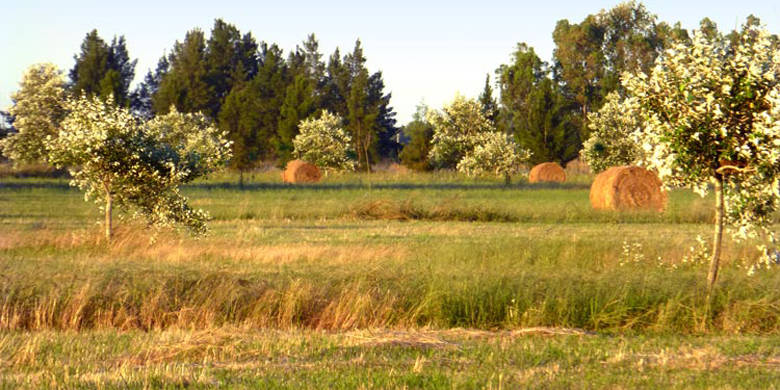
323 142
138 166
711 110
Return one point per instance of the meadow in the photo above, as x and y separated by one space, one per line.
388 280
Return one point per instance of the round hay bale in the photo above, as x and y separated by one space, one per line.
547 172
627 188
298 171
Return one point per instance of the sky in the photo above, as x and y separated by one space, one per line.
427 50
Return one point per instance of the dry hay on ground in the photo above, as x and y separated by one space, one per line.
627 188
547 172
298 171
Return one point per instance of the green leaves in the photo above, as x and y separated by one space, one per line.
140 165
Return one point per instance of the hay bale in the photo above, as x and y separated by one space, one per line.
627 188
549 171
298 171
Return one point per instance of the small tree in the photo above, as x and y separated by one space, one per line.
121 161
497 154
324 143
611 141
415 153
455 130
37 112
712 115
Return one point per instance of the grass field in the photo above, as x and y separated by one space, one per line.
384 281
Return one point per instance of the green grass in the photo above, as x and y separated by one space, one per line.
234 358
431 253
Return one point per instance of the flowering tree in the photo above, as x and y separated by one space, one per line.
456 129
324 143
120 161
496 153
38 110
611 141
712 115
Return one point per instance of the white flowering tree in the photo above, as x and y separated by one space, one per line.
323 142
38 110
612 142
456 131
711 114
120 161
495 154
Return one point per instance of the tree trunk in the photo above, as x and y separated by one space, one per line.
507 179
714 263
241 179
109 216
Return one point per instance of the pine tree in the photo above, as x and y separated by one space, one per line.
535 111
299 104
142 96
251 113
489 104
185 86
415 154
388 133
102 70
337 86
361 116
231 59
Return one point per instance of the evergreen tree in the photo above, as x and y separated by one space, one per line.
489 104
299 104
102 70
251 113
313 65
535 110
142 96
361 116
415 154
231 59
185 86
388 133
337 86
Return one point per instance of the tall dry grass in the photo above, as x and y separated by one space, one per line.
75 283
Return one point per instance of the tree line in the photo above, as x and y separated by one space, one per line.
545 106
259 96
248 88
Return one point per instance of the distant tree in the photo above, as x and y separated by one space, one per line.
337 86
489 103
250 114
456 131
299 104
415 153
121 162
39 107
324 143
185 86
361 123
712 116
589 57
231 60
361 114
495 154
142 104
535 111
313 66
388 145
102 70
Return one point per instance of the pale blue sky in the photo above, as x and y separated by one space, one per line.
427 50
